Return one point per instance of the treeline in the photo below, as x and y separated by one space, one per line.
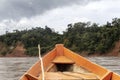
89 37
47 38
92 37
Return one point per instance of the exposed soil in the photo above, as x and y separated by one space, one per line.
115 51
18 51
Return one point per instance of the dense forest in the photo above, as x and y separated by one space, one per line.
79 37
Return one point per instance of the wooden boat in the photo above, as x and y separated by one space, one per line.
63 64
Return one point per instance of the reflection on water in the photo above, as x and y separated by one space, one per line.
13 68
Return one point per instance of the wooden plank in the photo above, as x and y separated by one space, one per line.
69 76
31 77
84 76
115 76
63 60
59 76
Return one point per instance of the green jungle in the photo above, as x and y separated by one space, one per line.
79 37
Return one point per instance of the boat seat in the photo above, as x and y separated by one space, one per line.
63 60
69 76
31 77
84 76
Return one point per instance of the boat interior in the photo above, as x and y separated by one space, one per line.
63 64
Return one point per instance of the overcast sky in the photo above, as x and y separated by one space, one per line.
22 14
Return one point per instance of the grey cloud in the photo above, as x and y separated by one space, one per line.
15 9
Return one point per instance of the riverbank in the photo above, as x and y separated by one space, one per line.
20 51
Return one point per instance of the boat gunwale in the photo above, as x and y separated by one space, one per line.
105 75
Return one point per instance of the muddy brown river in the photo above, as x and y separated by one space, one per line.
13 68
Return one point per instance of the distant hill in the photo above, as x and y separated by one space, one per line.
84 38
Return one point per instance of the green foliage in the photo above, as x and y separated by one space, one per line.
3 49
47 38
4 52
92 37
78 37
33 51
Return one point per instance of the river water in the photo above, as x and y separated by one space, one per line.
13 68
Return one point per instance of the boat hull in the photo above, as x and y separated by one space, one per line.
62 62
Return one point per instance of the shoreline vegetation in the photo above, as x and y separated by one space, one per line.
85 38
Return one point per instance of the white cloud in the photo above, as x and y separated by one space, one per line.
58 18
